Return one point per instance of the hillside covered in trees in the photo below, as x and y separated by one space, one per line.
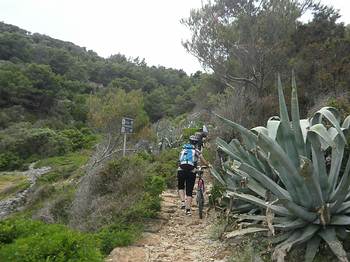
46 84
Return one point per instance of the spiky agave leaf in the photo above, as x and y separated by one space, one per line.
286 160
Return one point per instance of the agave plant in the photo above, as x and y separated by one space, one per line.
284 167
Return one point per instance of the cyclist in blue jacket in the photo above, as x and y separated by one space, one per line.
186 172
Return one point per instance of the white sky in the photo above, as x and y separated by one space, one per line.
149 29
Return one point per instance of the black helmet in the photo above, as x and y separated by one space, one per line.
193 140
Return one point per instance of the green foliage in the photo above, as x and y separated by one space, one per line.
79 139
213 35
147 185
121 233
107 110
27 240
216 193
165 165
22 143
147 207
217 229
187 132
209 154
324 41
342 104
55 70
154 185
126 188
9 161
62 166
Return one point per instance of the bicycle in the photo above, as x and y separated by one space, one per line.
200 191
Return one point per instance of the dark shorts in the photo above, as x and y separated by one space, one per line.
186 179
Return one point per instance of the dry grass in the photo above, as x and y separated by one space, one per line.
104 192
11 184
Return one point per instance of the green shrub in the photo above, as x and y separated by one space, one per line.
25 141
165 165
78 138
154 185
146 156
147 207
62 166
187 132
10 161
209 154
60 208
118 234
340 103
22 143
32 241
216 193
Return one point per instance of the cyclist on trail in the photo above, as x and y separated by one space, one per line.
186 172
201 135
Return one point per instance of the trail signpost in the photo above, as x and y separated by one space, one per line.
127 128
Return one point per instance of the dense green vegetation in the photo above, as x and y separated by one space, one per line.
123 198
28 240
49 88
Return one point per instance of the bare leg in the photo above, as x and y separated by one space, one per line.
188 202
182 195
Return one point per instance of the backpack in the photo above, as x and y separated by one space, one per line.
188 158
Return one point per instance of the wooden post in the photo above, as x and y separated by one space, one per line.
124 146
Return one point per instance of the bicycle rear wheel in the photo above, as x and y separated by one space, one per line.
200 202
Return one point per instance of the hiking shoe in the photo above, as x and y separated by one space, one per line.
183 206
188 212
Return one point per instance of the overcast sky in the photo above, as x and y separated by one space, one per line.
149 29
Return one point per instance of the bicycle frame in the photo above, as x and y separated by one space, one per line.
200 182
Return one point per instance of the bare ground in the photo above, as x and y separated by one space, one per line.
174 237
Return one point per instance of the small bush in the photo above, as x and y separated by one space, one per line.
165 165
217 229
216 194
340 103
60 208
147 207
155 185
79 139
32 241
22 142
10 161
62 166
187 132
119 234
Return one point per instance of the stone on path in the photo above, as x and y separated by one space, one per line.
128 254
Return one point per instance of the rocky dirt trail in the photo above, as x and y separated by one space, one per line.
174 237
